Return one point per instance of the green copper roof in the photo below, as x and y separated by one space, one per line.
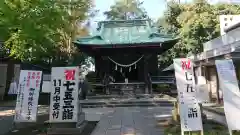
124 32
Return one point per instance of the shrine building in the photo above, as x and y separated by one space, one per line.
127 51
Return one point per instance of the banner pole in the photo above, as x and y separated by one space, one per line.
13 122
230 132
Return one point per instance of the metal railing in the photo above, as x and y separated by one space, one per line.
228 38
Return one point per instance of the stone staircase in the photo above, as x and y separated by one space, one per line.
129 90
125 101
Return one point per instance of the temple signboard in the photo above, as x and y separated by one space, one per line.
64 94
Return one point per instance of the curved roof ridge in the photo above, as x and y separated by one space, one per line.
124 33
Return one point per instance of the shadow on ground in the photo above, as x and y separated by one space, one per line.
42 130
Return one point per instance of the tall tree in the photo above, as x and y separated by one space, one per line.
195 23
41 30
126 9
198 25
169 24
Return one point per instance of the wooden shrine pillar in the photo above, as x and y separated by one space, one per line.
145 72
105 74
98 66
153 64
107 66
101 66
147 79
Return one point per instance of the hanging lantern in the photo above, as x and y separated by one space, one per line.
129 69
135 66
121 70
116 67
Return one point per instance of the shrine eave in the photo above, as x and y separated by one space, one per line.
158 44
112 49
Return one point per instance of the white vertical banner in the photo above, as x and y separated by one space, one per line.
190 113
64 94
231 94
27 96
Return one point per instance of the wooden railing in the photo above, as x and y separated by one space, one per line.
163 79
95 81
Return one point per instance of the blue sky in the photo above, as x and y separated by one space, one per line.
155 8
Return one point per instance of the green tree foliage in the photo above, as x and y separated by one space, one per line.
41 30
126 9
195 23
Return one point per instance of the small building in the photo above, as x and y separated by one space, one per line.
226 46
126 50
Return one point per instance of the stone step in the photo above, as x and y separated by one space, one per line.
123 96
106 102
67 130
128 105
92 103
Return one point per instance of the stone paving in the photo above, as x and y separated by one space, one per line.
113 121
132 121
95 114
6 119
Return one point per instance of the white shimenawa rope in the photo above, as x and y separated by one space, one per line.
128 65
